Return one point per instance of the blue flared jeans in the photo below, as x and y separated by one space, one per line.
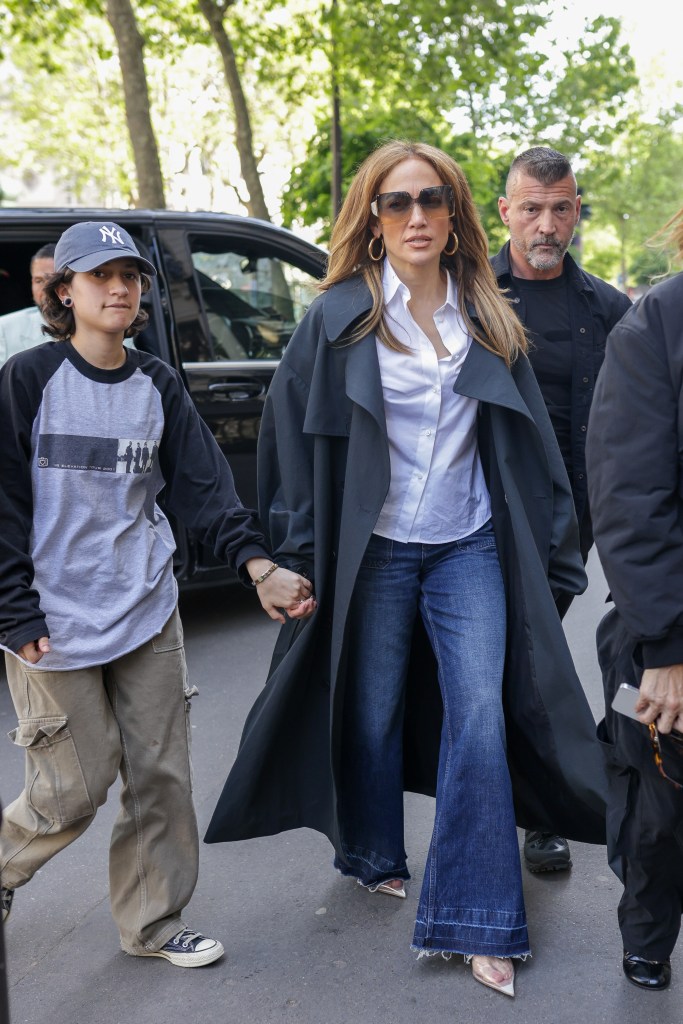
471 900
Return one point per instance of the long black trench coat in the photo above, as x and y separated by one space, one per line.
323 477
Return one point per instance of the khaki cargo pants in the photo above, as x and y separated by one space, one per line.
79 730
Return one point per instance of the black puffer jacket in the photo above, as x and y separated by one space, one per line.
634 456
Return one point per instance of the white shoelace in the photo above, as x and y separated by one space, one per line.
187 936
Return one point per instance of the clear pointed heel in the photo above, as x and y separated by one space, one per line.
496 972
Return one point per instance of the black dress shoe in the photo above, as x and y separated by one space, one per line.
646 973
544 851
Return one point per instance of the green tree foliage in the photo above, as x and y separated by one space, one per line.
579 105
477 76
480 78
46 30
633 194
63 117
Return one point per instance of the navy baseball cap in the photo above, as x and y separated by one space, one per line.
91 243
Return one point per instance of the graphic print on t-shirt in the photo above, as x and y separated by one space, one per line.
101 454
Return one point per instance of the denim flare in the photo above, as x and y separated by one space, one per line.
471 900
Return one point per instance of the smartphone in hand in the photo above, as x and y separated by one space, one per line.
625 700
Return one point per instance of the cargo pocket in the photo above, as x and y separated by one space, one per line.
171 636
55 785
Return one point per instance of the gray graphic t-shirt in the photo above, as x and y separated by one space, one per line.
86 552
95 517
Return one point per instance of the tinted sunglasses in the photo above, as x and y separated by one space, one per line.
436 202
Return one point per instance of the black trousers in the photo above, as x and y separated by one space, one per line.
651 906
645 811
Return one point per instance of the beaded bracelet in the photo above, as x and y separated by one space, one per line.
265 575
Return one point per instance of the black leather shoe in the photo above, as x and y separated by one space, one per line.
546 852
652 974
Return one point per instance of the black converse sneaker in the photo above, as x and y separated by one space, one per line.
6 897
189 949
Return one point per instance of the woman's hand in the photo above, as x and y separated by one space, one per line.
282 589
302 609
661 698
34 650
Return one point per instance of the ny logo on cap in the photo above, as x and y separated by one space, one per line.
113 234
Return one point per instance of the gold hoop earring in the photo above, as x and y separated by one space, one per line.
380 239
456 245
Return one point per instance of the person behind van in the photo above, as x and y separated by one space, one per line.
24 328
88 600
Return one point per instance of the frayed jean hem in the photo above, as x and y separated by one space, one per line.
367 873
446 954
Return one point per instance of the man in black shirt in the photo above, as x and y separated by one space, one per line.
568 315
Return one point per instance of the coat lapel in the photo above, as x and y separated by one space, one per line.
486 377
346 303
363 379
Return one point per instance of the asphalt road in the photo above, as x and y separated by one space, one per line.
303 945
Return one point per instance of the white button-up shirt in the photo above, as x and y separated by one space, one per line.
437 491
21 330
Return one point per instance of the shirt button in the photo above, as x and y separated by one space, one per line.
585 380
582 330
580 476
419 476
516 299
583 427
435 388
428 433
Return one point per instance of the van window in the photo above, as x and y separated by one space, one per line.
252 302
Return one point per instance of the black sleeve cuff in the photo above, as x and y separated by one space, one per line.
247 552
16 638
664 652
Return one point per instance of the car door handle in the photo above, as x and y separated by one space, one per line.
238 391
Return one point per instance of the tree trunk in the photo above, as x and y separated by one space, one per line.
214 13
130 45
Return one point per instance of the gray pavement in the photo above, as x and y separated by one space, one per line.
303 945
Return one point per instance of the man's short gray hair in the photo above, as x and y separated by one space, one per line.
45 252
542 163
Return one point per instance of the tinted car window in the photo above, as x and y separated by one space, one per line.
227 297
252 303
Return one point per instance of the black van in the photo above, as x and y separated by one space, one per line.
228 294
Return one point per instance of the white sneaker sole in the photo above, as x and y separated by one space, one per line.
199 959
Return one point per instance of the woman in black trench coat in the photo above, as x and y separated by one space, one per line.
405 458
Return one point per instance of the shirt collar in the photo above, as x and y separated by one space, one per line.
502 268
393 286
397 296
451 292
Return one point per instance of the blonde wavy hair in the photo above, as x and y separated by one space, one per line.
499 329
671 235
